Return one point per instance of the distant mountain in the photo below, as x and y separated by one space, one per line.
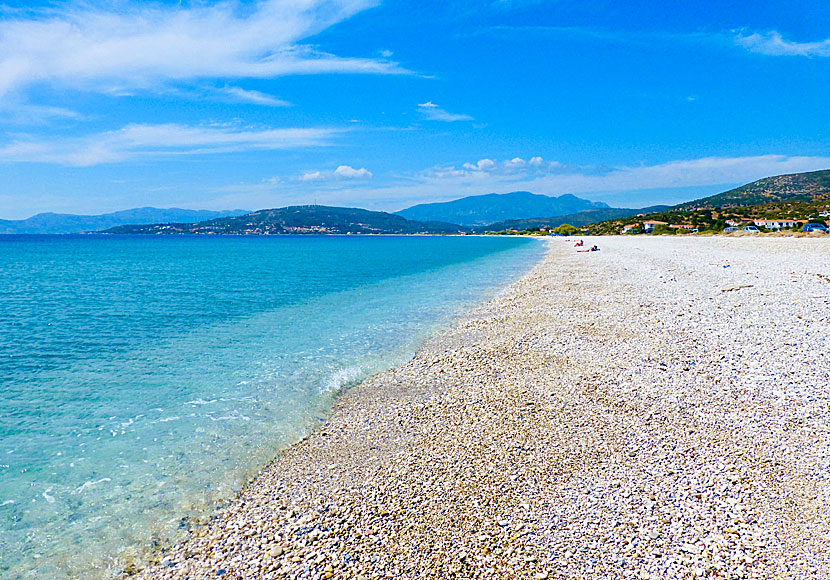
61 223
299 219
480 210
812 186
581 218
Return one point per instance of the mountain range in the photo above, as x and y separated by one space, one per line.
481 210
518 210
61 223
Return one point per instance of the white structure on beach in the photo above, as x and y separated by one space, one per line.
776 224
650 224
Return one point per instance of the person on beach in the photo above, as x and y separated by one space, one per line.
591 249
579 244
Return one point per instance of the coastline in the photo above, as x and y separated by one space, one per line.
582 424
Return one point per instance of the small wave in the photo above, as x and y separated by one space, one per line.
200 401
234 417
237 399
341 378
7 502
90 484
167 419
48 497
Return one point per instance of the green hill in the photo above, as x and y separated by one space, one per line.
715 220
812 186
300 219
797 196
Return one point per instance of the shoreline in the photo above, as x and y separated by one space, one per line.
160 556
512 445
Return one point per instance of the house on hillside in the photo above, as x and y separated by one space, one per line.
649 225
629 228
682 226
776 224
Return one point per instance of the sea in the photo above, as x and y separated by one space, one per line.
145 379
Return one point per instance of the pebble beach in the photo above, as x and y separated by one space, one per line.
658 409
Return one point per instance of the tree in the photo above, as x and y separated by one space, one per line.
566 229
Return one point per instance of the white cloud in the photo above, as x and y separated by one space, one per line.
681 173
348 172
150 45
137 140
772 43
241 95
433 112
515 164
446 172
480 165
342 172
29 114
386 53
514 168
312 176
621 185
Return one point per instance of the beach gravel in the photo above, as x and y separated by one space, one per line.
658 409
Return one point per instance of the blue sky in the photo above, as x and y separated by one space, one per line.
383 104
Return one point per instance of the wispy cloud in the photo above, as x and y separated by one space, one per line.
768 42
342 172
433 112
136 140
147 45
552 176
241 95
772 43
620 185
310 176
17 113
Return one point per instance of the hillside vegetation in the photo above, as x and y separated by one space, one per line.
799 196
302 219
716 220
812 186
581 218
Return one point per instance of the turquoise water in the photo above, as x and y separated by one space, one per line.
143 380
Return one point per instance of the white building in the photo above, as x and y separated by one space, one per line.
776 224
650 224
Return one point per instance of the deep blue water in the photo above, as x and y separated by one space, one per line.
143 380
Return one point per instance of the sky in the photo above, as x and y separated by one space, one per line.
383 104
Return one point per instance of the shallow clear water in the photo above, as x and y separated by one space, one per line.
144 379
